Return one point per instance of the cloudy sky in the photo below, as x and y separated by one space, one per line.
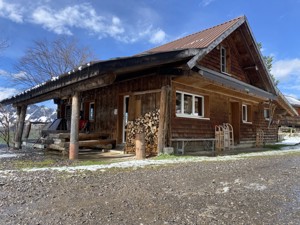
126 27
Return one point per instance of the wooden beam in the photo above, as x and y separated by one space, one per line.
163 119
99 70
74 145
21 114
62 91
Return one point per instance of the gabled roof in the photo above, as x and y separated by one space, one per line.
208 39
191 48
200 39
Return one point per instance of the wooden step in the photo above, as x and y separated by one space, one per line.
81 136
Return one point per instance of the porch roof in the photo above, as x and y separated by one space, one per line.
96 74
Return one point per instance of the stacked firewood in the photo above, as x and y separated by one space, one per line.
147 124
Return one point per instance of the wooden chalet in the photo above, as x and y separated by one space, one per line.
291 121
183 90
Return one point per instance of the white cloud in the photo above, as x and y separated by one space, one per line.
284 69
11 11
7 92
67 19
81 16
206 2
6 74
158 37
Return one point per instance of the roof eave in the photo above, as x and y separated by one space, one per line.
193 62
119 65
234 83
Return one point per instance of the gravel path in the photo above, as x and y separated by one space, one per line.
252 190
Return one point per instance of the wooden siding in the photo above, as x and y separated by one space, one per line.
234 67
109 102
220 111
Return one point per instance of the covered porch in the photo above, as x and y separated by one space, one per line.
108 93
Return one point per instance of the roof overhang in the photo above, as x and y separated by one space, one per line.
216 42
95 75
233 83
241 22
283 102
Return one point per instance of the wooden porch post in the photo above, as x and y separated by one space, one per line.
21 114
74 145
163 119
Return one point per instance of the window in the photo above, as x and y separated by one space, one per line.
223 60
267 113
189 105
246 113
92 111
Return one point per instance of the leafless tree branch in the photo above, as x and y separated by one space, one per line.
4 125
45 60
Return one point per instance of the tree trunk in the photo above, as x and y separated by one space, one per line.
140 146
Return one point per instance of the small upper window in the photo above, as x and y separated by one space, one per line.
92 111
223 60
267 113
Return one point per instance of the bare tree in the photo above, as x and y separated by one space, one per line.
45 60
3 44
4 125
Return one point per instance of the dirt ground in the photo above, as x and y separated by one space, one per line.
252 190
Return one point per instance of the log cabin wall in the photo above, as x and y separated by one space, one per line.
109 102
270 128
184 127
218 112
234 68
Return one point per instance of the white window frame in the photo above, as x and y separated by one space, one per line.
267 115
246 119
92 118
193 114
223 55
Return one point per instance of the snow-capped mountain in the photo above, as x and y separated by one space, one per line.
34 113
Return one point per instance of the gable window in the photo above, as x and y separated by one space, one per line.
246 113
267 114
189 105
223 59
92 111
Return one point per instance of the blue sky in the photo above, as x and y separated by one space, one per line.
115 28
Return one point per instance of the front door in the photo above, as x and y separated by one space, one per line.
235 119
125 117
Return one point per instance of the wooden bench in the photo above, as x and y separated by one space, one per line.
184 142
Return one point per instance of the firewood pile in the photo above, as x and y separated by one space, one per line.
148 124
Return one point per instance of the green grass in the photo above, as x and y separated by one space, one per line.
34 164
28 164
171 157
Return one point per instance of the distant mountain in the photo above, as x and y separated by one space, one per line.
34 113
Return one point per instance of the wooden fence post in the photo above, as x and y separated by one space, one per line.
74 145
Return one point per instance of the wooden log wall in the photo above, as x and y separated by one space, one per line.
212 61
219 113
109 102
182 127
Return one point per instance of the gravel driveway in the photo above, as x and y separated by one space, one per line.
251 190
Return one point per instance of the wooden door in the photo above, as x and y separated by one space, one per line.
235 118
125 117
